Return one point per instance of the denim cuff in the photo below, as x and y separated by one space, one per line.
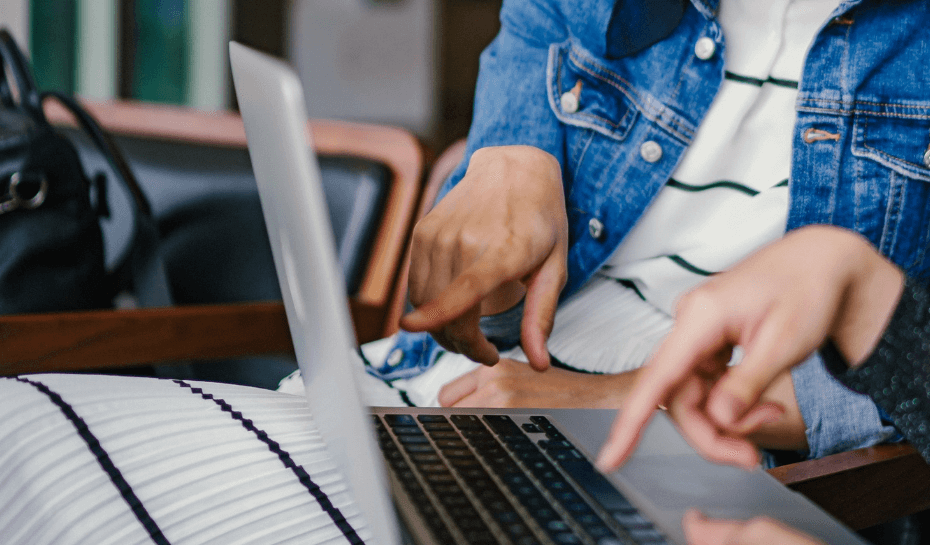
414 353
503 329
836 418
411 355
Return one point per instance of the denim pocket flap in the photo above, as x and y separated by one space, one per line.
585 93
899 141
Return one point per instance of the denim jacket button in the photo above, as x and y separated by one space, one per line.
595 228
927 158
395 357
569 102
651 151
705 48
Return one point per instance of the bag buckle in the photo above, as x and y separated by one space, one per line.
26 191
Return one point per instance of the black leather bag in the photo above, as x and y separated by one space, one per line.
51 247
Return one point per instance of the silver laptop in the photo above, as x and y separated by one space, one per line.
464 476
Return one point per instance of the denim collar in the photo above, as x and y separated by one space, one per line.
636 24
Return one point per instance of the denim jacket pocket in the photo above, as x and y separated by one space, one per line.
896 138
585 93
892 143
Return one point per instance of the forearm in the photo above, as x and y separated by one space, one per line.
897 373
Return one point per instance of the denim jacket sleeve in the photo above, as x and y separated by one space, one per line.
511 101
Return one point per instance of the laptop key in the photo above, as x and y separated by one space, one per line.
465 421
594 483
547 427
431 418
399 420
413 439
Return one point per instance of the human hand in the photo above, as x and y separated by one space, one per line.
499 235
779 305
700 530
514 384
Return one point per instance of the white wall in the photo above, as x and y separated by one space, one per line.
97 47
14 15
367 60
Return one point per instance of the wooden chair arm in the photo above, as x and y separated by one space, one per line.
75 341
863 487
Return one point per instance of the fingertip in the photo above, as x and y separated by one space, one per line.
485 353
617 449
606 461
726 408
539 360
693 515
534 341
413 321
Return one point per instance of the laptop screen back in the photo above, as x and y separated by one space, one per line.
271 102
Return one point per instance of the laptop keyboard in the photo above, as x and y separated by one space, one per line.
486 479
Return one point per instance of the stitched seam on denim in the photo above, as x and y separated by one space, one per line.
592 122
887 239
103 459
616 125
848 113
629 91
589 136
896 159
867 103
686 138
298 470
850 107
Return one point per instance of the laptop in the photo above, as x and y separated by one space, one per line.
455 475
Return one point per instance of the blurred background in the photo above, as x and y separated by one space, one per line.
410 63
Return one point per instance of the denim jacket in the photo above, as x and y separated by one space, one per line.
861 150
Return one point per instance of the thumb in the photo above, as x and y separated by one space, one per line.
542 298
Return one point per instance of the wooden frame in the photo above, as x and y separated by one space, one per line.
863 487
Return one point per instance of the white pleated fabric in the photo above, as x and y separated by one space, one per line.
198 472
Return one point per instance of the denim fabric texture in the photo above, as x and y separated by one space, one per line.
837 419
862 133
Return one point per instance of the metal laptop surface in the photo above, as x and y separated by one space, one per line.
664 477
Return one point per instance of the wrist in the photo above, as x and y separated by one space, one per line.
872 293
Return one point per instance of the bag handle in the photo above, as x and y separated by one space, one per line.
15 62
140 265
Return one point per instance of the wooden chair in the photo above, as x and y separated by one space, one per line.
118 338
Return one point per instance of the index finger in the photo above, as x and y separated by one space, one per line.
464 292
677 357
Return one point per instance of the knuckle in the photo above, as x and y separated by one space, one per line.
702 301
470 245
423 232
445 241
